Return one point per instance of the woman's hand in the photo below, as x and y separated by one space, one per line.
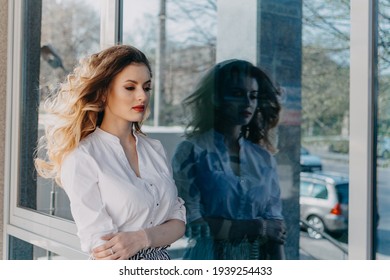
122 245
275 230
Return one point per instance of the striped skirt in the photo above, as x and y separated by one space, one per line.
158 253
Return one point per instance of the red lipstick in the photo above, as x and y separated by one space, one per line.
139 108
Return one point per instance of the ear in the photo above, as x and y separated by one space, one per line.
104 98
103 102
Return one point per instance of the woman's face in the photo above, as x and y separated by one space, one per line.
128 95
240 100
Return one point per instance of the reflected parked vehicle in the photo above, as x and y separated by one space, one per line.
383 149
324 202
309 162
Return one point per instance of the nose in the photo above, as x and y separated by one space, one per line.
141 95
247 99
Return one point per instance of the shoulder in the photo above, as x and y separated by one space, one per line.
260 152
146 140
199 141
184 150
78 169
80 157
151 147
87 144
185 146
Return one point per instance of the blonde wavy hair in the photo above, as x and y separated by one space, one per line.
77 108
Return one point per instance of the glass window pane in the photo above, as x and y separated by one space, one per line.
343 193
22 250
179 38
325 115
305 188
308 57
382 210
320 191
57 34
310 62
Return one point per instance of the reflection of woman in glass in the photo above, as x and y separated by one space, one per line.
225 170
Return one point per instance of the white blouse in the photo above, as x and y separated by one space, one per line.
105 194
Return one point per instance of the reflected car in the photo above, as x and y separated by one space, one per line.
324 202
309 162
383 149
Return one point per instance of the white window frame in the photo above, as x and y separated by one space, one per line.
361 140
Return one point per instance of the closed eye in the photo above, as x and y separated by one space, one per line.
253 94
238 93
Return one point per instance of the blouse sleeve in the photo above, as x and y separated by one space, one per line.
178 211
274 206
79 177
184 173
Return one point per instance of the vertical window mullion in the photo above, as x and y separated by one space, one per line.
361 130
110 25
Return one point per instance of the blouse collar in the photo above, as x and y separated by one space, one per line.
111 137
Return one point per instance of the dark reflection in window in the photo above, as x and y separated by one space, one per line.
19 249
225 169
29 103
22 250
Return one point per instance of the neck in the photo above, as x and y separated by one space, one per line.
231 133
122 131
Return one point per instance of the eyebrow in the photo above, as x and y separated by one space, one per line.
243 88
135 82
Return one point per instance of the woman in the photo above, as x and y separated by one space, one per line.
119 182
225 170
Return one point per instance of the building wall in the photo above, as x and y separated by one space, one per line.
3 93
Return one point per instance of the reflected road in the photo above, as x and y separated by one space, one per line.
322 249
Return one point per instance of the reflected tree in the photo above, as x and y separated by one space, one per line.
325 90
191 44
383 42
72 30
325 71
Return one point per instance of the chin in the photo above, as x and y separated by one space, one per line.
245 122
137 119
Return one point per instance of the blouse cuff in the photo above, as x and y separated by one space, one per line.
178 211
